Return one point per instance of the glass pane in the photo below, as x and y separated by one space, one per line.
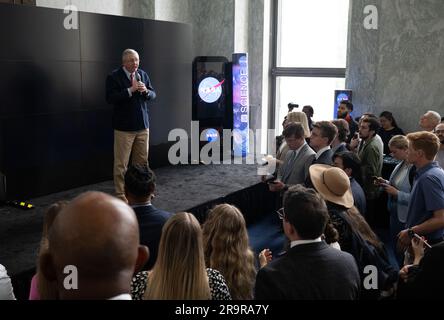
317 92
313 33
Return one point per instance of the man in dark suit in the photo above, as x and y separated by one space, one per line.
311 269
140 184
129 89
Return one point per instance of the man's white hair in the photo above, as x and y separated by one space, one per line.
435 116
128 52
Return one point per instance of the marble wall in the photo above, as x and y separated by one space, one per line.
256 59
130 8
400 66
173 10
213 27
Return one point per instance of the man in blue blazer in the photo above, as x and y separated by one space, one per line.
140 184
129 89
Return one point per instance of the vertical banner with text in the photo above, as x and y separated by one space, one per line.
241 105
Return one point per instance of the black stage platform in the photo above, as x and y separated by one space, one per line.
180 188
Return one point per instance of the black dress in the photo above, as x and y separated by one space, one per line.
387 135
218 286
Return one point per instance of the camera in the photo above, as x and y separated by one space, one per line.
292 106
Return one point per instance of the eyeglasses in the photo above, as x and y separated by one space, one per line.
281 213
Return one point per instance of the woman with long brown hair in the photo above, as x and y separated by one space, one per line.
226 249
179 272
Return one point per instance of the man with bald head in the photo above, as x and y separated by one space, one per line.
429 121
97 236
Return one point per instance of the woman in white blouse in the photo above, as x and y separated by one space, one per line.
398 190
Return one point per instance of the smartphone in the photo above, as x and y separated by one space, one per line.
356 135
412 235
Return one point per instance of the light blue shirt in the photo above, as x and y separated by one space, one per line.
426 197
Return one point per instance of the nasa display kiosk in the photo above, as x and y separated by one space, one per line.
220 101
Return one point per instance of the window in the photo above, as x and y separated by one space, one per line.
309 55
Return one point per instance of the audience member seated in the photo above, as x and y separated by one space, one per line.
6 290
98 236
345 109
398 189
309 112
40 286
294 170
140 185
179 272
429 121
389 128
355 235
339 144
425 215
424 279
311 269
226 249
350 163
439 131
322 135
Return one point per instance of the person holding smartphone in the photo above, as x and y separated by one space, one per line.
398 190
423 279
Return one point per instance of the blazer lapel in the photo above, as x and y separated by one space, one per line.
124 77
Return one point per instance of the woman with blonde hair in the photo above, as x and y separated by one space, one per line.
398 189
179 272
226 249
297 116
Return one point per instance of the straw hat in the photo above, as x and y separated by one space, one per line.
332 183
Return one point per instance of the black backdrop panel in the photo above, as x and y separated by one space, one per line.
167 58
48 152
93 88
55 125
39 87
105 37
29 33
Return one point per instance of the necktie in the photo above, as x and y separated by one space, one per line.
131 78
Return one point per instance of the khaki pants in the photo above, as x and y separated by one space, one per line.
126 144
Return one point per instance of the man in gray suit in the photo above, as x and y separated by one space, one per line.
311 269
300 156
